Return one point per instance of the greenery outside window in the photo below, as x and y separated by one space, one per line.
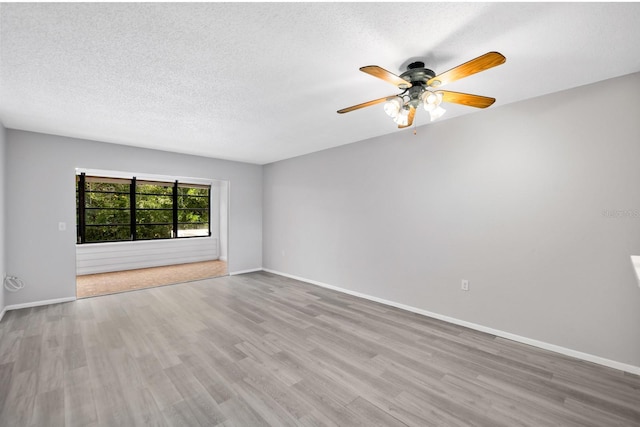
193 210
116 209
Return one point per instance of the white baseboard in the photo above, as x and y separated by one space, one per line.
253 270
38 303
513 337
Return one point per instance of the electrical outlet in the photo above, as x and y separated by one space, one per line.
465 285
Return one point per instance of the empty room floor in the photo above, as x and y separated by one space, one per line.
259 349
92 285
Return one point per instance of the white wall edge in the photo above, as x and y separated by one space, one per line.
39 303
223 258
635 261
513 337
253 270
4 310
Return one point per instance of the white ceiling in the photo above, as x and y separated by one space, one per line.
261 82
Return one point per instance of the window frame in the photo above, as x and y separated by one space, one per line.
81 206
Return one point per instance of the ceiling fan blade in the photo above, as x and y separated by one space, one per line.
412 113
467 99
481 63
387 76
364 104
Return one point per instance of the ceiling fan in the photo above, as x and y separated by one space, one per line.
416 85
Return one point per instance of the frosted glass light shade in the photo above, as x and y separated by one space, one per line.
437 113
429 98
392 107
402 118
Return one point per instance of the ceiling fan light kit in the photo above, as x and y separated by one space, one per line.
415 84
402 118
393 106
431 102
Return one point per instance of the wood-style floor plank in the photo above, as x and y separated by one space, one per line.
264 350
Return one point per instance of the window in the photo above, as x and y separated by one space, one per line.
107 213
154 210
116 209
193 210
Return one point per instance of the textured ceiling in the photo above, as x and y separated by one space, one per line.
260 82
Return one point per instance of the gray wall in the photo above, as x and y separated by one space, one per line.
511 198
41 193
3 164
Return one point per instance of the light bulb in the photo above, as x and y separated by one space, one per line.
429 98
437 113
429 107
402 118
393 106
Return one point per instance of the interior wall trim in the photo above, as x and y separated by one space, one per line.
4 310
513 337
38 303
252 270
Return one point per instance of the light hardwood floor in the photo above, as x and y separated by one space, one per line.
260 349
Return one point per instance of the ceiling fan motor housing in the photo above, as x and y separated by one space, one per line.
418 76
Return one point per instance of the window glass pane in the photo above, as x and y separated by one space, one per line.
160 189
201 215
191 230
108 186
154 216
190 191
153 232
106 209
154 210
106 200
144 201
186 202
108 216
104 179
193 210
106 233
